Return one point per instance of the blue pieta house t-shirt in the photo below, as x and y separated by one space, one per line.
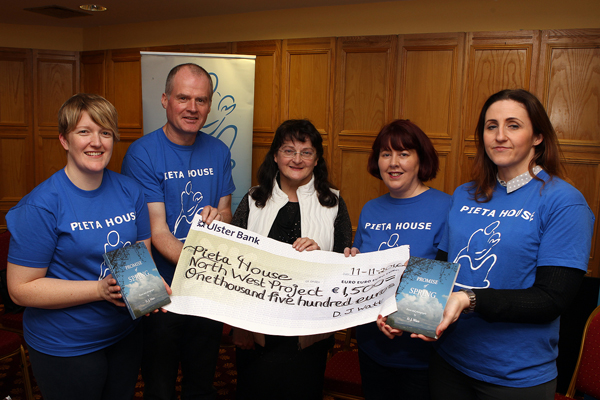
66 230
387 222
499 245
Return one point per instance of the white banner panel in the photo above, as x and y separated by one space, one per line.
243 279
232 111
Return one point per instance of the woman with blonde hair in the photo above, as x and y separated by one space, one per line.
82 341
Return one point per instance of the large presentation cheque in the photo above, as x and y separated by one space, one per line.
246 280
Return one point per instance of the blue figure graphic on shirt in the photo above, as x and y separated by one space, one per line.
392 242
190 206
217 127
478 254
113 242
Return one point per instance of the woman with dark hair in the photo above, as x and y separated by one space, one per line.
522 236
411 213
293 203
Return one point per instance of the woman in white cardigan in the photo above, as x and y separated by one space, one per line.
293 203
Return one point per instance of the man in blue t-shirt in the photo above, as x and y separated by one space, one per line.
184 172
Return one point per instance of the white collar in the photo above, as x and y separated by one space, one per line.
519 181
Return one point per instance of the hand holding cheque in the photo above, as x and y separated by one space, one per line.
247 280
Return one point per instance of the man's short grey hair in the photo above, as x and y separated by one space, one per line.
194 69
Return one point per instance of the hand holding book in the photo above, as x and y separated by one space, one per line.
422 297
386 329
457 302
141 287
109 290
169 292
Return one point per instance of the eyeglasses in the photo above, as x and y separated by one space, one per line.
304 154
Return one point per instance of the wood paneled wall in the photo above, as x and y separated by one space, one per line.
364 102
33 86
56 78
568 84
348 86
266 92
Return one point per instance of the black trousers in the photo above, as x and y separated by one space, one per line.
388 383
107 374
171 338
281 371
446 382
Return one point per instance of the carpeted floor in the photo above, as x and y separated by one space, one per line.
11 377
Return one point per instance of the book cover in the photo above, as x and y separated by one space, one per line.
422 295
141 285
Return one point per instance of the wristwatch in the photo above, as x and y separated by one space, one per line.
472 300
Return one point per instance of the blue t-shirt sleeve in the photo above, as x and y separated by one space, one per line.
143 217
137 165
358 235
442 234
567 237
443 244
228 185
33 236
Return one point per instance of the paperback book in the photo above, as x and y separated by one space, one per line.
422 295
141 285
